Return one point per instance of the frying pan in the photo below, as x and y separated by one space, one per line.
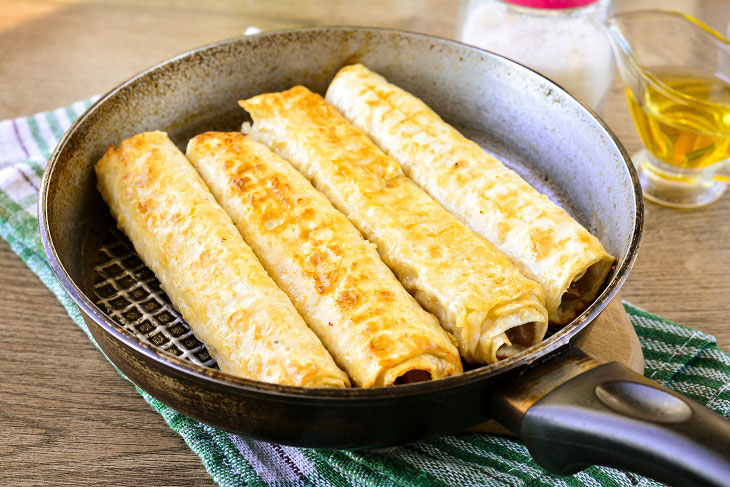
570 410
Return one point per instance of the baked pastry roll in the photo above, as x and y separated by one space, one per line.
371 326
212 277
476 293
546 243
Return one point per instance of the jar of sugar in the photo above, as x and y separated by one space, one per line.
564 40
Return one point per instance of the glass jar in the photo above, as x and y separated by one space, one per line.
565 40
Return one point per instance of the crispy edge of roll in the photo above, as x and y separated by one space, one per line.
211 276
476 293
371 326
491 199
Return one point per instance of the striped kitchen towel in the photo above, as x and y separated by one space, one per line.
683 359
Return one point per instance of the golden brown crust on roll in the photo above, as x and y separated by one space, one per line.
546 243
211 276
470 286
372 327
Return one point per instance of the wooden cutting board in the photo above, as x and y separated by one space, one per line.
610 338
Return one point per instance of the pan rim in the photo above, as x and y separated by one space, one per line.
249 386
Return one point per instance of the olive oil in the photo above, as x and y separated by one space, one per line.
687 125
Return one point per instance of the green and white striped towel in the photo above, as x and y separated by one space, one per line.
683 359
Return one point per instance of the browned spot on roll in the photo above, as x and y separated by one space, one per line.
413 376
242 183
348 299
142 206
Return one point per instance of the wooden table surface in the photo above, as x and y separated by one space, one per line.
65 414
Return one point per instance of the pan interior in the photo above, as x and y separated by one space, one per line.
129 293
525 120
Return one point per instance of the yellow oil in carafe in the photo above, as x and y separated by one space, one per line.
689 128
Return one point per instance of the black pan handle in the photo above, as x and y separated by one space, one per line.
610 415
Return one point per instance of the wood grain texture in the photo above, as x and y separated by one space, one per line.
613 339
67 417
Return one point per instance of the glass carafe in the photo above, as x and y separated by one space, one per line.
677 76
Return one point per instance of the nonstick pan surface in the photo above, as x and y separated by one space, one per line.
547 136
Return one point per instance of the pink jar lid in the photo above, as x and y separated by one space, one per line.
551 4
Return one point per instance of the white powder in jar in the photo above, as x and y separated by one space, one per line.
569 47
